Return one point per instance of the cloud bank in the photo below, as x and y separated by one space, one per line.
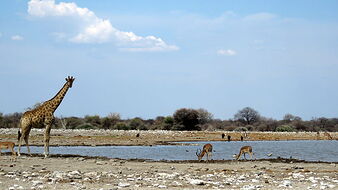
17 38
95 29
228 52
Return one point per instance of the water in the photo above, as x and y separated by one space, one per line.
305 150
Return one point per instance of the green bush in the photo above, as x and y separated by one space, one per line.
121 126
85 126
136 123
285 128
241 129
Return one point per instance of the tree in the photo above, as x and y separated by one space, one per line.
121 126
94 120
114 116
168 123
247 115
111 120
74 122
136 123
204 116
186 119
1 119
63 122
285 128
289 117
36 105
11 120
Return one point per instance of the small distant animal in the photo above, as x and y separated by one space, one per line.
223 135
269 155
244 150
229 138
138 135
207 149
9 146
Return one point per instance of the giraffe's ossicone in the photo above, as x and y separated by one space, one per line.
42 116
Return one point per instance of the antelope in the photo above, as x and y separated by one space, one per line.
207 149
9 146
245 149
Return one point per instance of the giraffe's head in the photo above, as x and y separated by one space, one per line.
70 80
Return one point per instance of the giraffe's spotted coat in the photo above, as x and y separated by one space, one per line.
42 116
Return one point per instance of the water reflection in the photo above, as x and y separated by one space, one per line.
304 150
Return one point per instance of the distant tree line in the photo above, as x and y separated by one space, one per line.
246 119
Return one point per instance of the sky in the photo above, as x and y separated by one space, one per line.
149 58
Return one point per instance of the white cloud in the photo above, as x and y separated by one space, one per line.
260 17
17 37
228 52
95 29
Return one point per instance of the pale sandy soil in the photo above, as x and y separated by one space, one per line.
98 173
119 137
76 172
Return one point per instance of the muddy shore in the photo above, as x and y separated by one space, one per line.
79 172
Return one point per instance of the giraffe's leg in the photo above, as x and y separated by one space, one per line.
47 136
20 141
244 156
25 128
28 149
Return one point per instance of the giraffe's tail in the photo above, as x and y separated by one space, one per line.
19 135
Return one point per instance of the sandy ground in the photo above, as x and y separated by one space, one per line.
59 172
64 137
77 172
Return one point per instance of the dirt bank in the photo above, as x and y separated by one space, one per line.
119 137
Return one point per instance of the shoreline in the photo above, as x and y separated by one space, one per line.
272 160
71 137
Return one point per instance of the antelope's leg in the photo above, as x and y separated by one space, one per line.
12 150
13 153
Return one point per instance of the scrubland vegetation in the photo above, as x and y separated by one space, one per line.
246 119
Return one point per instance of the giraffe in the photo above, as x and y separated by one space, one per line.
43 115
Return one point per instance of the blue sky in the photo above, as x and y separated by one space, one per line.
150 58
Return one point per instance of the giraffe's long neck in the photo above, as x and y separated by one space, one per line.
54 103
